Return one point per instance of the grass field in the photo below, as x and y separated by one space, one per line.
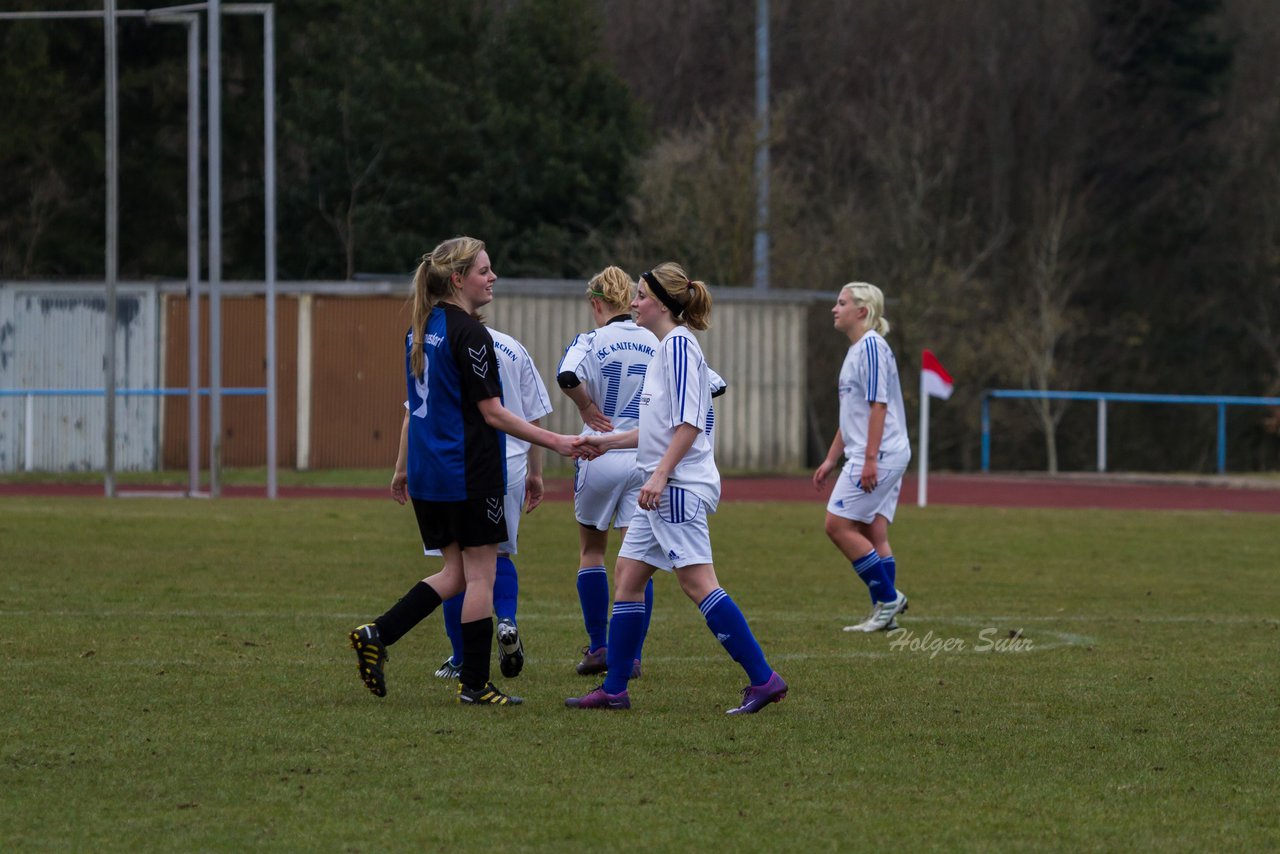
176 678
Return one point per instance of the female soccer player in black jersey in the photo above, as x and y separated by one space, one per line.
451 463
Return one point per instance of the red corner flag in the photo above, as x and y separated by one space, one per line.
934 379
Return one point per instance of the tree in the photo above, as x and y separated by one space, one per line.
53 181
1156 159
499 122
370 134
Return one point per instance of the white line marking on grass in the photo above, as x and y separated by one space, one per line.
914 621
1097 618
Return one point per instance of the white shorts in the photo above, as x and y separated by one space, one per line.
513 504
672 536
850 502
606 489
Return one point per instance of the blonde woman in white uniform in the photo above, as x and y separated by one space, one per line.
681 488
873 438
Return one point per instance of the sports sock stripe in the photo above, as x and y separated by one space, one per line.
713 599
865 561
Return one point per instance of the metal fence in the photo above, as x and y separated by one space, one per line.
1102 398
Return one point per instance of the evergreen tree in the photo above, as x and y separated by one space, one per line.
1156 164
419 127
51 198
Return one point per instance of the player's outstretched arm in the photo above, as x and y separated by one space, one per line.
602 442
499 417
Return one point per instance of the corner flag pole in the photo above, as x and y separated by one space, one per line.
922 488
934 382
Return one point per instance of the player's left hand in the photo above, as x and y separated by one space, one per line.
651 492
594 418
532 492
870 478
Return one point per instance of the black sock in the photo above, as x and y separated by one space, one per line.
477 646
412 608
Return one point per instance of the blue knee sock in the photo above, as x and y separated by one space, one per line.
626 634
730 628
872 572
593 594
452 609
648 617
506 590
891 570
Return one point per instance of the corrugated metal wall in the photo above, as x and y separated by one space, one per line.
244 365
757 347
55 337
544 325
354 377
358 390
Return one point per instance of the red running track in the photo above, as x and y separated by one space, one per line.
944 489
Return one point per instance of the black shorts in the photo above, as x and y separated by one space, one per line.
472 522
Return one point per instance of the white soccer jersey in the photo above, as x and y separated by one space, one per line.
611 362
870 374
522 390
677 390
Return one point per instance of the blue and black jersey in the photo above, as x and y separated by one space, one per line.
453 454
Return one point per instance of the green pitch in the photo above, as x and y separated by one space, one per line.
176 677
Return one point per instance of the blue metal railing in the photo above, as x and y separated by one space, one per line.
126 392
1104 397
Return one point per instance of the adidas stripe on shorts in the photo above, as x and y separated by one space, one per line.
674 535
850 502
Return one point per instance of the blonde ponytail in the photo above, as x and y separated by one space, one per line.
871 298
692 296
433 282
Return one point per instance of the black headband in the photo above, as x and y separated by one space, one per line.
661 293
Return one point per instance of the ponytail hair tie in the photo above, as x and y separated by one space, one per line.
661 293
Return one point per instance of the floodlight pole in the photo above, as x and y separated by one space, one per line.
214 60
267 11
269 226
193 254
761 248
113 240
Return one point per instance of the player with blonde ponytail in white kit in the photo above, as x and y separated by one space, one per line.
602 372
873 438
669 529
